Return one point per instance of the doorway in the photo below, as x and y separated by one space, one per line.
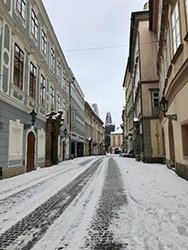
171 144
30 151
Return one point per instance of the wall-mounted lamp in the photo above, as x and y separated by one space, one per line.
33 116
164 109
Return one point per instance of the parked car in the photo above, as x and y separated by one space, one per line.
129 154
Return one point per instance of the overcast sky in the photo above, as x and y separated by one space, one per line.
94 36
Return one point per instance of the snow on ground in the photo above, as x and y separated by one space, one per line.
156 216
157 213
70 229
33 189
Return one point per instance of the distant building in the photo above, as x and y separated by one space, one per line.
94 132
109 127
116 142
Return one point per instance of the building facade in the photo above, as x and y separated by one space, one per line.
169 20
116 142
94 131
76 119
34 76
142 126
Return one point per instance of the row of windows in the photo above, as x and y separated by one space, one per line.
18 81
54 63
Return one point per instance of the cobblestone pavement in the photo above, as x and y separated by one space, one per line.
25 233
113 197
17 197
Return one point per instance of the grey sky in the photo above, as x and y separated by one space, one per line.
94 35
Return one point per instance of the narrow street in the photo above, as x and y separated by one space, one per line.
102 202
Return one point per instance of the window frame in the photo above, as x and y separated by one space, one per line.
20 61
34 24
21 8
42 90
58 69
52 98
58 102
154 97
175 26
32 80
52 59
186 12
43 42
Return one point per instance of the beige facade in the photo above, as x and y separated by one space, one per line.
94 132
170 19
141 83
116 142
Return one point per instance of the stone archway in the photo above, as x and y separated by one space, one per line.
30 152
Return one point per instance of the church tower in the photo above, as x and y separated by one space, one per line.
109 127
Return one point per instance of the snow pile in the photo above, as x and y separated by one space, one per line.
157 213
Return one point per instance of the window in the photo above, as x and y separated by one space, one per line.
186 7
51 98
42 90
52 59
44 43
21 7
58 102
155 99
176 27
58 69
34 25
32 81
18 66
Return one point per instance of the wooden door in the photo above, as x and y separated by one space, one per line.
30 151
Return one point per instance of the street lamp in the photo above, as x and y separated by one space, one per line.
164 109
33 116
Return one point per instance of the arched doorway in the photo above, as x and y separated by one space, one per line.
30 151
171 144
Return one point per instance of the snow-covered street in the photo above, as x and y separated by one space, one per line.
103 202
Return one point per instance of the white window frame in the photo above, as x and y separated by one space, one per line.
58 70
43 42
42 90
52 59
186 11
176 33
52 98
21 8
34 24
58 102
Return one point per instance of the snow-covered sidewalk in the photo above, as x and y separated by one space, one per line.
157 214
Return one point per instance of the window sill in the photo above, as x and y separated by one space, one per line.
178 52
